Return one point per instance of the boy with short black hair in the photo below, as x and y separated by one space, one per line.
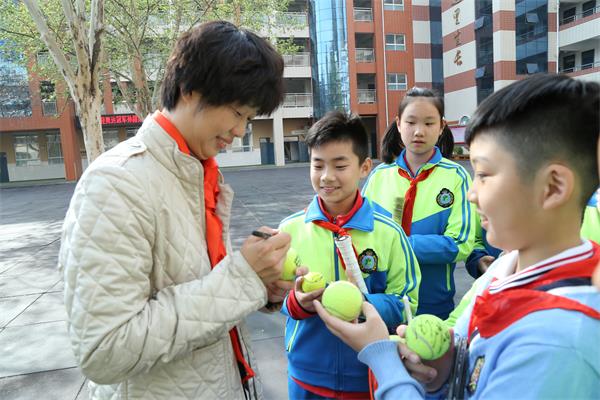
320 365
534 326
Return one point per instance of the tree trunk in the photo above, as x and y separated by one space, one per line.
140 82
89 109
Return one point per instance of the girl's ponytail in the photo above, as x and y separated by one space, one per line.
391 144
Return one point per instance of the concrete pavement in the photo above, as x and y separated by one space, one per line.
36 360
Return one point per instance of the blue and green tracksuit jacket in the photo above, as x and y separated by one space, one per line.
442 230
590 229
390 269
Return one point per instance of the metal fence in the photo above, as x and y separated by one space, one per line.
365 55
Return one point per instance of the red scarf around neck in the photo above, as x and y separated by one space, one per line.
335 224
492 313
411 195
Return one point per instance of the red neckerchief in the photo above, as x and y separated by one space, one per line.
411 194
214 226
336 224
496 311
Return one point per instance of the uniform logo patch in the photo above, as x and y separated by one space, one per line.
367 260
474 379
445 198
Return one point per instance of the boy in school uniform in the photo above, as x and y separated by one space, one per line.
533 328
319 364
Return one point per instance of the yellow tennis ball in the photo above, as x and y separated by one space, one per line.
428 336
292 261
312 281
343 300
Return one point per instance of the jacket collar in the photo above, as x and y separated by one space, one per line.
506 277
433 161
363 219
166 151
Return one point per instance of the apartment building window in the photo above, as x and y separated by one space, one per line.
395 41
27 150
531 31
396 82
43 58
54 150
48 96
587 8
587 59
568 63
393 5
568 15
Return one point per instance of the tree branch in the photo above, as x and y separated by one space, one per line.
50 41
74 21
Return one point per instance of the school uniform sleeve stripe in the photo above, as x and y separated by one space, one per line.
410 272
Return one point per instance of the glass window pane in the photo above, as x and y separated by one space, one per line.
587 59
26 150
54 150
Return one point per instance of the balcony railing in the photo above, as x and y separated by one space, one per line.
367 96
294 18
581 67
580 15
363 14
294 100
49 108
297 60
365 55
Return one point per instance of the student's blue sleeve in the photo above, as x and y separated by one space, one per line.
472 263
456 243
541 372
393 381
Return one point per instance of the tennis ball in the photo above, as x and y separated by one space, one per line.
292 261
343 300
428 336
312 281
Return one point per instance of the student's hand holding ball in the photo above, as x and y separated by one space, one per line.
308 288
431 373
357 336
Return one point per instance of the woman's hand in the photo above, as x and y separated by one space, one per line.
266 256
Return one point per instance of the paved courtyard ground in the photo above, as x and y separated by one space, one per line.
36 360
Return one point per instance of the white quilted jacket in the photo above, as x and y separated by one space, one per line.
148 319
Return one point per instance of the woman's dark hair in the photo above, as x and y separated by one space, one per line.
225 65
391 144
